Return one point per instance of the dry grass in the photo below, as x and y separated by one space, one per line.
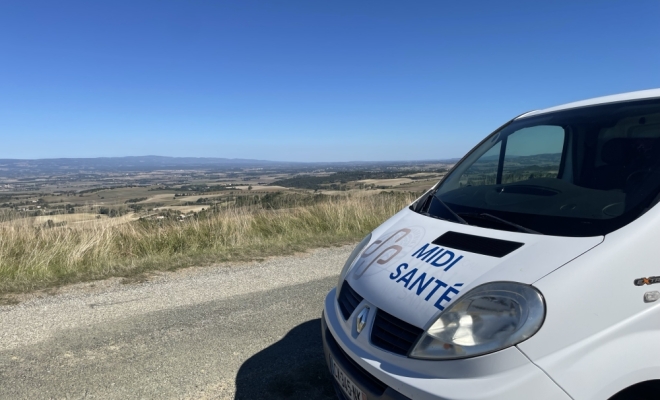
87 219
33 258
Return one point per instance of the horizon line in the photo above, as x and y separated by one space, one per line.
226 158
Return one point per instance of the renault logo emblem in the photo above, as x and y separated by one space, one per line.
362 319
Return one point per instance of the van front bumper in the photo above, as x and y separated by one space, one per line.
505 375
372 387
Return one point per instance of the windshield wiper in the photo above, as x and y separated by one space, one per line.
456 217
503 221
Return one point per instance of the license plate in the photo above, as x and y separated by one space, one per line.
350 389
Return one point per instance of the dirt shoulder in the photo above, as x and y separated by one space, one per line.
194 333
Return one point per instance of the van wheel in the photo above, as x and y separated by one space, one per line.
648 390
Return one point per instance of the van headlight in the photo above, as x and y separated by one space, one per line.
488 318
351 260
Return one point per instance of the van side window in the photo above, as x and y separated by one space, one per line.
533 153
529 153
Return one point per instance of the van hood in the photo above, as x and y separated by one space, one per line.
403 272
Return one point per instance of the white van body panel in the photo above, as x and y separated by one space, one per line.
638 95
379 277
596 318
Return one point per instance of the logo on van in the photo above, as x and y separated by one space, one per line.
361 320
391 247
647 281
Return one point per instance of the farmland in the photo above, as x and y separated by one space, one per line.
35 194
62 225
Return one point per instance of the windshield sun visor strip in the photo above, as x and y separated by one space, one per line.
477 244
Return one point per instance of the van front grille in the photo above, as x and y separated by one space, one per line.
348 300
392 334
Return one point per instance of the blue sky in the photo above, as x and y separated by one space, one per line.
307 80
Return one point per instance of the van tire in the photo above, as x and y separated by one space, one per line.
648 390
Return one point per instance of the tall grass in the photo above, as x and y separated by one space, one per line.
33 258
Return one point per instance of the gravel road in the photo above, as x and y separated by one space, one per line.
245 331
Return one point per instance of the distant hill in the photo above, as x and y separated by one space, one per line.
51 166
140 163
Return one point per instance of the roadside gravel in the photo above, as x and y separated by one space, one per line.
213 332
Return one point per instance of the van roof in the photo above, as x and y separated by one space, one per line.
638 95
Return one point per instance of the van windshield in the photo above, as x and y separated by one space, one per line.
581 172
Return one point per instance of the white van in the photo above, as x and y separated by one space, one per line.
528 272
